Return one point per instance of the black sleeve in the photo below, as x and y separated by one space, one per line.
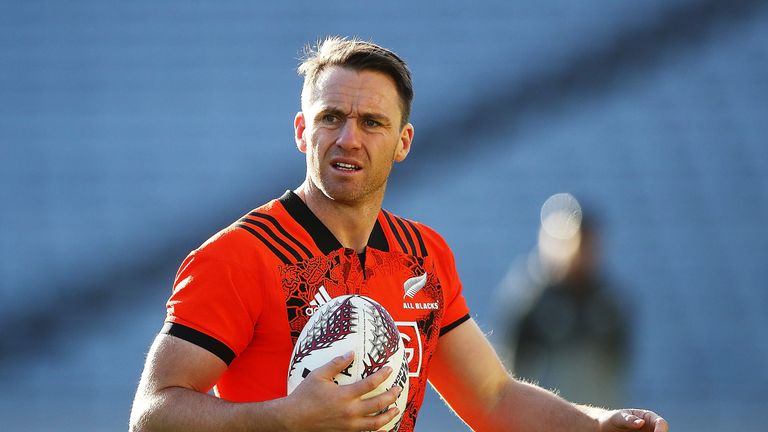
215 346
453 325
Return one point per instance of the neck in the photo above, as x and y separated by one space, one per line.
350 223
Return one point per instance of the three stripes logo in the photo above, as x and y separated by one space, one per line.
321 297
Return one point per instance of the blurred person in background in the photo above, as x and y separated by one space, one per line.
562 322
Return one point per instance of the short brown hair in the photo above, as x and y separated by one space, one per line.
357 55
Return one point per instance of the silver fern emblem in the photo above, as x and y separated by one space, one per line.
414 285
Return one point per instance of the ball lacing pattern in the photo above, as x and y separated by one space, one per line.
384 341
333 324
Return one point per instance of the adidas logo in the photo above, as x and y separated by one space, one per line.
321 297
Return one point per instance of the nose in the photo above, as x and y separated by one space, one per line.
350 135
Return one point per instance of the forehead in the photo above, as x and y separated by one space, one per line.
352 90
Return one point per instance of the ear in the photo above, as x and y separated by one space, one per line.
404 145
299 126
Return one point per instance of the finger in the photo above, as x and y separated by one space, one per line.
650 418
333 367
627 420
653 419
634 420
661 425
369 383
379 403
375 423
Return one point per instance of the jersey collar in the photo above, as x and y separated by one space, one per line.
323 237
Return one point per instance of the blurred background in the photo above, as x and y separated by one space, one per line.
132 131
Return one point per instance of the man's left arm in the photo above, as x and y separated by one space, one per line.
468 374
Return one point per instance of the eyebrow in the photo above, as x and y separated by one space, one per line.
376 116
333 110
330 110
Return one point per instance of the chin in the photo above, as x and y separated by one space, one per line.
343 195
350 192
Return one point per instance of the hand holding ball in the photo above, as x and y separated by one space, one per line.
360 325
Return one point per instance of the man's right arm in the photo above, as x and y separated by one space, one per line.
172 396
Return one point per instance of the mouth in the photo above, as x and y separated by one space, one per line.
344 166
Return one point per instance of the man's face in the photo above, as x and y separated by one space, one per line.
350 131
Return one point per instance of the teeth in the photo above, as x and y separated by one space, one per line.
346 166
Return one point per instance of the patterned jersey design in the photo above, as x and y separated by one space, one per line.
402 377
336 272
300 282
333 325
428 325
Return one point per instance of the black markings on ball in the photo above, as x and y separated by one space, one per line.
346 371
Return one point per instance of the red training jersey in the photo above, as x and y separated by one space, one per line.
247 292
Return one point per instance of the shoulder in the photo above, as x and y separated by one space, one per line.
240 242
421 234
432 237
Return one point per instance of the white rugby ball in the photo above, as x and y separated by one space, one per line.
353 323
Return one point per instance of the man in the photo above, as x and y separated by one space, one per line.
240 300
562 322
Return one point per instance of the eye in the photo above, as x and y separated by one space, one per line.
370 123
329 119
